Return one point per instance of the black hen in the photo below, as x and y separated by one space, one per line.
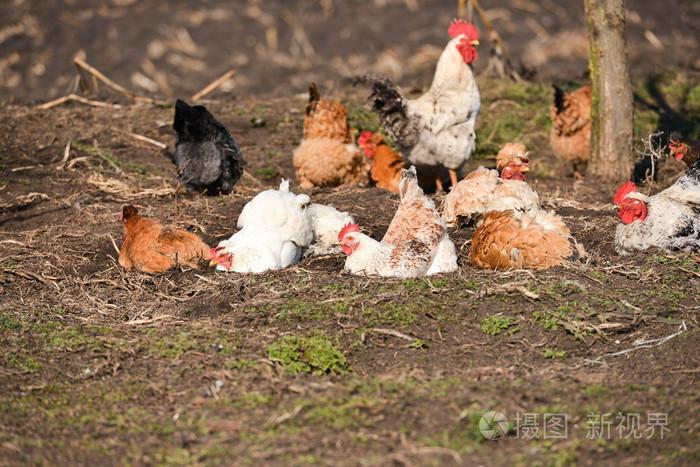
207 157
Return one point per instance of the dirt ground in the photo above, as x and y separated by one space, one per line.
103 366
99 366
174 48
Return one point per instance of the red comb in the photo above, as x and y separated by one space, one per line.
623 191
364 137
347 229
459 26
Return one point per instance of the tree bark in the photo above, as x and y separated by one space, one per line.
611 158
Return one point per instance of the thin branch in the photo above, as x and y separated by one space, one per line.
209 88
77 98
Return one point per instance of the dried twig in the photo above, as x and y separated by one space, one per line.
146 139
66 155
206 90
498 61
642 344
98 75
77 98
391 332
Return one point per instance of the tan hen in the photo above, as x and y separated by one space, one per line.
326 155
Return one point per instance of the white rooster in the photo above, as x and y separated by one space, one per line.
275 228
416 243
439 128
669 220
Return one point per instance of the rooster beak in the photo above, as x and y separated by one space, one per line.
474 42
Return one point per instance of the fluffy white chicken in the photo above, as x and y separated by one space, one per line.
416 243
326 222
669 220
485 190
275 228
439 128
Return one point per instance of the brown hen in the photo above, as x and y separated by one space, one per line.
571 126
326 155
516 240
149 247
387 164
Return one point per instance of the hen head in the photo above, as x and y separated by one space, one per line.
127 213
369 141
348 238
470 39
512 162
631 206
677 148
365 142
220 258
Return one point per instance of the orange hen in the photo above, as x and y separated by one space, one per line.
326 155
386 163
149 247
517 240
571 125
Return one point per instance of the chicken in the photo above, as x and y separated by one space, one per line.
207 157
326 222
275 227
149 247
683 151
571 126
518 240
483 190
416 243
326 155
386 164
438 129
669 220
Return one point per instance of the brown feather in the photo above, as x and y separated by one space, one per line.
149 247
571 127
386 165
505 241
416 229
326 155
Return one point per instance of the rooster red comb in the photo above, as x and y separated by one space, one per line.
459 26
364 137
623 191
347 229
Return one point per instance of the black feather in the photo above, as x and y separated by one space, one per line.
558 98
391 106
207 157
314 97
694 171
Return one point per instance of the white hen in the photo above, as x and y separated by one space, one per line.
275 227
416 243
327 221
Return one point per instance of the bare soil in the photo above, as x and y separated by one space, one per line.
103 366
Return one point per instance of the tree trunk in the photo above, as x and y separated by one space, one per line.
611 157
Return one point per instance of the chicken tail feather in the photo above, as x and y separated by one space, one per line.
391 106
408 185
559 97
314 97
